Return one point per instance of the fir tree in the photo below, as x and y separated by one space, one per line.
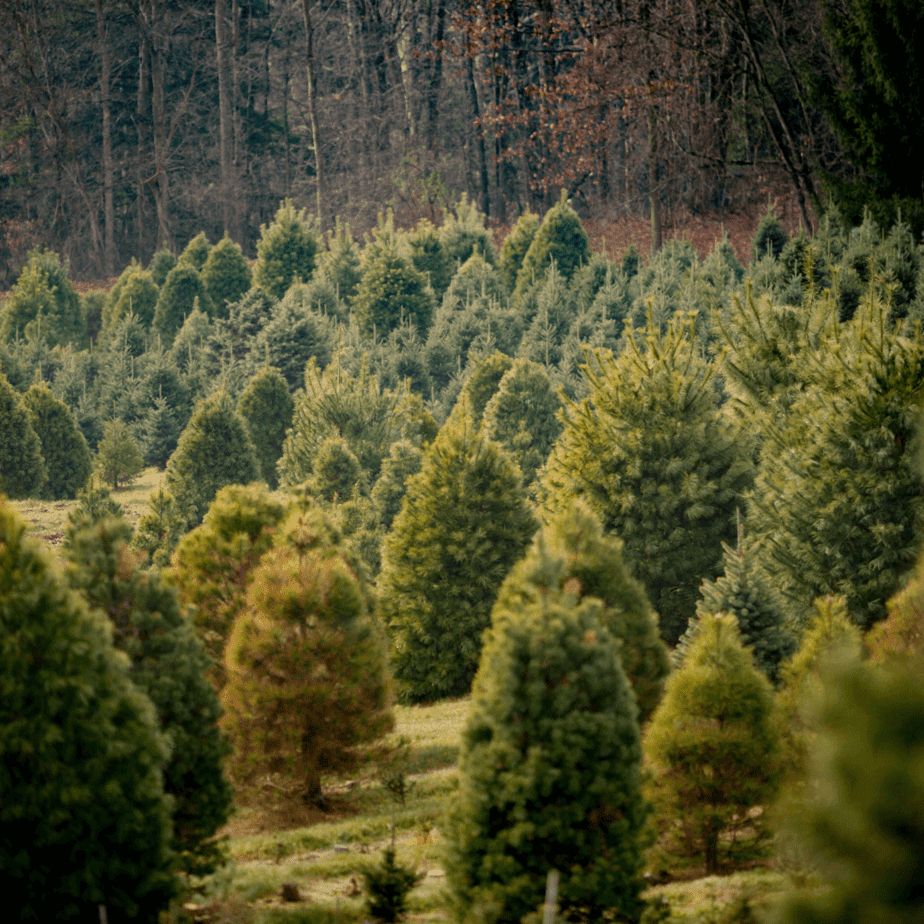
118 458
770 238
82 808
391 291
552 310
336 473
160 430
475 279
589 564
214 450
307 684
94 504
515 247
135 293
168 663
653 456
429 257
22 469
463 523
67 457
550 768
225 275
286 250
482 382
338 265
266 408
161 263
195 253
403 460
712 746
160 528
181 293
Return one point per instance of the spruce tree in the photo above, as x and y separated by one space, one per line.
430 258
266 408
515 247
67 457
286 250
338 265
212 565
118 458
589 564
463 523
196 252
168 664
181 293
307 683
651 452
214 450
135 293
475 279
712 746
160 528
82 809
22 469
226 275
770 238
549 769
161 427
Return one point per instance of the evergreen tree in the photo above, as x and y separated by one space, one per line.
161 263
266 408
338 265
160 430
181 293
336 472
82 809
135 293
225 275
286 251
475 279
22 469
118 458
429 257
196 252
94 504
515 247
550 768
463 523
770 238
482 382
160 528
653 456
522 416
168 664
901 634
67 457
552 310
213 563
307 684
560 239
589 564
464 232
403 460
712 745
391 291
214 450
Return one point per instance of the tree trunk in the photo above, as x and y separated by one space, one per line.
312 97
482 150
229 191
105 83
159 119
654 193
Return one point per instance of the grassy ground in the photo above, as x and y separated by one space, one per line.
48 519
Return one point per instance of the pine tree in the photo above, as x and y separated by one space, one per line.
552 310
161 263
135 293
464 232
307 684
482 382
338 265
118 458
463 523
589 564
286 250
213 563
901 634
712 745
160 430
214 450
515 247
336 473
82 809
266 408
655 459
160 528
196 252
22 469
181 293
67 457
168 664
475 279
549 769
225 275
429 257
391 291
770 238
403 460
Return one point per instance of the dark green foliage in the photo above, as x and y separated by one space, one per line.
515 247
651 452
589 564
338 265
43 304
67 458
135 293
181 293
521 416
160 528
82 807
391 291
266 408
22 470
213 563
403 460
712 747
744 591
549 769
169 664
387 886
161 427
560 239
552 310
286 250
94 504
482 383
336 471
901 634
429 257
474 280
214 450
118 458
862 816
464 233
463 523
225 275
161 263
195 253
770 238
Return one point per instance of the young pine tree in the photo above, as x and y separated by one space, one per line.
266 408
712 745
463 523
22 469
225 275
168 664
135 293
550 767
196 252
515 247
67 457
82 809
118 458
286 250
181 293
